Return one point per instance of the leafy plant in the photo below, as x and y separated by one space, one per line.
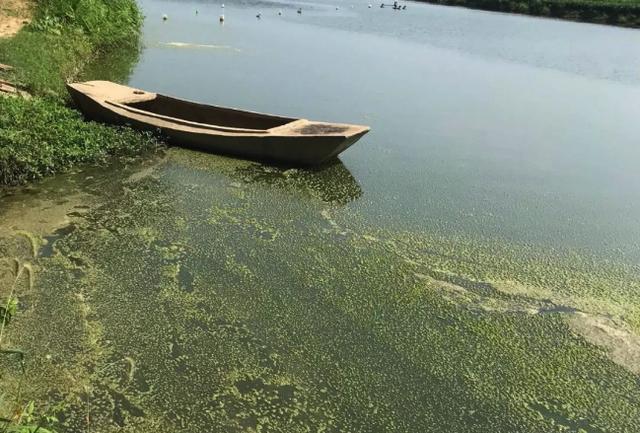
39 137
26 420
8 310
48 24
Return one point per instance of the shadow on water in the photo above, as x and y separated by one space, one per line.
331 183
114 65
47 249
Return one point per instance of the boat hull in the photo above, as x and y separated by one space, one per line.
286 148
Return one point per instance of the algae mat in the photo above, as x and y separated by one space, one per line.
181 298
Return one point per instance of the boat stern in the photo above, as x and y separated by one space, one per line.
324 129
314 143
107 91
91 96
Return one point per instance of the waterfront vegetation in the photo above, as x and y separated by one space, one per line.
41 136
64 37
615 12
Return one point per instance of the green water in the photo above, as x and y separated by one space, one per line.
452 273
482 123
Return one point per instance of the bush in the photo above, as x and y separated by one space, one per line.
41 136
106 23
621 12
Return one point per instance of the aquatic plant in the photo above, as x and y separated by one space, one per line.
23 417
332 325
39 137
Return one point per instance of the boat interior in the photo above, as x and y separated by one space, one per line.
207 114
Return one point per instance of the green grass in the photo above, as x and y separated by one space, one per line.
44 61
615 12
64 37
39 137
67 40
103 22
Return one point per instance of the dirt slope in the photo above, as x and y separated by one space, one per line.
13 15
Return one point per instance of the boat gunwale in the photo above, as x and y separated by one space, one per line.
190 123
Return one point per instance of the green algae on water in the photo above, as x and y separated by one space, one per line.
198 305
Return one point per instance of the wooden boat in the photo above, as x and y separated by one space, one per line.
216 129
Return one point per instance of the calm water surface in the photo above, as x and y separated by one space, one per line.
482 122
471 265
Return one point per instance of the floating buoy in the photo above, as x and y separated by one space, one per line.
222 5
221 18
300 11
279 12
337 8
165 17
259 15
196 11
369 6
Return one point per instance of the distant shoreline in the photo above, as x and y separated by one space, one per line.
621 13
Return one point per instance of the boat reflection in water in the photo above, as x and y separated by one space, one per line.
332 183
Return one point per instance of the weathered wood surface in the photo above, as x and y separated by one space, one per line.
7 88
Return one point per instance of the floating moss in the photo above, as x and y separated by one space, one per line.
331 325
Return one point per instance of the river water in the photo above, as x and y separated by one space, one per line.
470 265
481 122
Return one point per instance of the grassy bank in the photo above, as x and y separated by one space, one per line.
64 37
614 12
41 136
